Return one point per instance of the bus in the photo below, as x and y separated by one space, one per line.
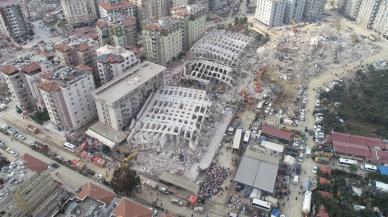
69 146
369 167
261 204
346 162
247 136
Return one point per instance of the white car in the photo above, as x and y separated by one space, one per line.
315 169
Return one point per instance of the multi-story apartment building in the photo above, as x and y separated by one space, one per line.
120 100
162 39
12 22
31 72
152 8
80 13
351 8
202 3
270 12
30 195
117 32
18 87
217 4
114 61
112 9
74 54
193 18
294 11
314 9
67 94
381 23
367 13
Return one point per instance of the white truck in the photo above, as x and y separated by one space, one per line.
306 203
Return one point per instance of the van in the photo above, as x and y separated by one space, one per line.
296 180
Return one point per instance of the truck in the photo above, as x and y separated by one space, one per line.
306 203
32 129
237 139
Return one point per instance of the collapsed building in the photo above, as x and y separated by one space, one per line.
205 71
222 46
173 116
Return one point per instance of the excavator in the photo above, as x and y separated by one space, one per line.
247 99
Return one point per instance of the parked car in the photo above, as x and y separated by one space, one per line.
176 201
315 169
298 169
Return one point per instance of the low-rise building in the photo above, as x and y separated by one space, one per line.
162 39
113 62
193 18
67 94
120 100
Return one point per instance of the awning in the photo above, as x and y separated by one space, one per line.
100 138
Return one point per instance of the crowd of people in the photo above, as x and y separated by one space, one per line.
214 178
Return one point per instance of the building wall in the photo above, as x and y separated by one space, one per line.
195 29
269 12
352 8
20 93
314 9
367 13
12 22
152 8
33 82
202 3
79 12
294 11
381 22
176 3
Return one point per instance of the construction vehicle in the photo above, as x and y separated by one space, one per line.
131 156
39 147
247 99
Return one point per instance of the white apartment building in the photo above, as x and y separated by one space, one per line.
67 93
178 3
18 87
162 39
270 12
367 13
79 13
114 61
152 8
381 23
12 22
120 100
294 11
31 72
352 7
194 19
314 9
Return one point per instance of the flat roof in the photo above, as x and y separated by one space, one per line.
127 82
179 181
272 146
105 134
258 171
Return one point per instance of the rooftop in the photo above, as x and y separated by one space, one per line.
275 132
34 164
186 10
31 68
127 208
9 69
158 24
106 135
180 182
96 193
115 6
129 81
258 171
64 76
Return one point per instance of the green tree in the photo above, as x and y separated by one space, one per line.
124 181
352 169
235 20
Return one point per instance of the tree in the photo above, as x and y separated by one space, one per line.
352 169
124 181
235 20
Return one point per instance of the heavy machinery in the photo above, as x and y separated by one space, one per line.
131 156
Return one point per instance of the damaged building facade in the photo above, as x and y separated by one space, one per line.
172 117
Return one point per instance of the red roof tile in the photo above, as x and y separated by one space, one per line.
324 181
128 208
34 164
31 68
358 140
83 47
325 169
96 193
9 69
325 194
275 132
49 86
101 23
62 48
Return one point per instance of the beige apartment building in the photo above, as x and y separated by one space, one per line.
193 18
152 8
80 13
162 39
